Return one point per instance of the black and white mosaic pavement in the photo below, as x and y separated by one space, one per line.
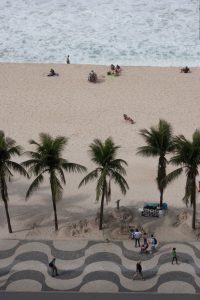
97 266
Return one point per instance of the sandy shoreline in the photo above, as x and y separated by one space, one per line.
69 105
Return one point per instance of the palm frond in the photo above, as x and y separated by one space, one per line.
172 176
147 151
17 150
120 181
34 185
33 142
17 168
117 166
62 175
101 184
188 190
89 177
73 167
29 163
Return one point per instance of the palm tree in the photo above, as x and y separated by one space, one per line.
187 155
103 154
159 143
47 159
8 148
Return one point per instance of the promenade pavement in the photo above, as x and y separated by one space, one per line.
92 296
98 266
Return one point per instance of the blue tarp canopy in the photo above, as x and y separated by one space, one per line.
155 205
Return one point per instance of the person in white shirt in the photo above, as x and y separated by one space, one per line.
137 236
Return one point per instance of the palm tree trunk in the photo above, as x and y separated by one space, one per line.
193 201
161 176
54 201
8 216
101 208
161 196
3 195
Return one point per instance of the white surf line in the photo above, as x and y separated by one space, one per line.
133 285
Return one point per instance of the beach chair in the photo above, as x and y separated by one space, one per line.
146 212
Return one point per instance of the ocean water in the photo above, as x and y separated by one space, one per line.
127 32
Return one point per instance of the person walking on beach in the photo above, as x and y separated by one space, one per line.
138 273
174 256
67 60
54 270
137 236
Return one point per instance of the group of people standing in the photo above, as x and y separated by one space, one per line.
138 236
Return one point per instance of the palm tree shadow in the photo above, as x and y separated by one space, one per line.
22 230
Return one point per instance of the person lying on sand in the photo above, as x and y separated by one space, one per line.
126 118
185 70
52 73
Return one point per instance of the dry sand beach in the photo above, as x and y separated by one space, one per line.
71 106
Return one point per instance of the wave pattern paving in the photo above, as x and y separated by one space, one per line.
98 267
138 32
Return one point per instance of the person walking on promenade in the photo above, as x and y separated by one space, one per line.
153 243
174 256
145 238
137 236
138 273
54 270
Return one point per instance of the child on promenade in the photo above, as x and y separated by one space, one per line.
174 256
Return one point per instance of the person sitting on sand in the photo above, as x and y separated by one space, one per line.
52 73
92 77
185 70
118 68
112 67
112 70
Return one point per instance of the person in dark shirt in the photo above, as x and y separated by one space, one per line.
67 60
54 270
138 273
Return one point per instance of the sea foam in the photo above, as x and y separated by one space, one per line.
127 32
